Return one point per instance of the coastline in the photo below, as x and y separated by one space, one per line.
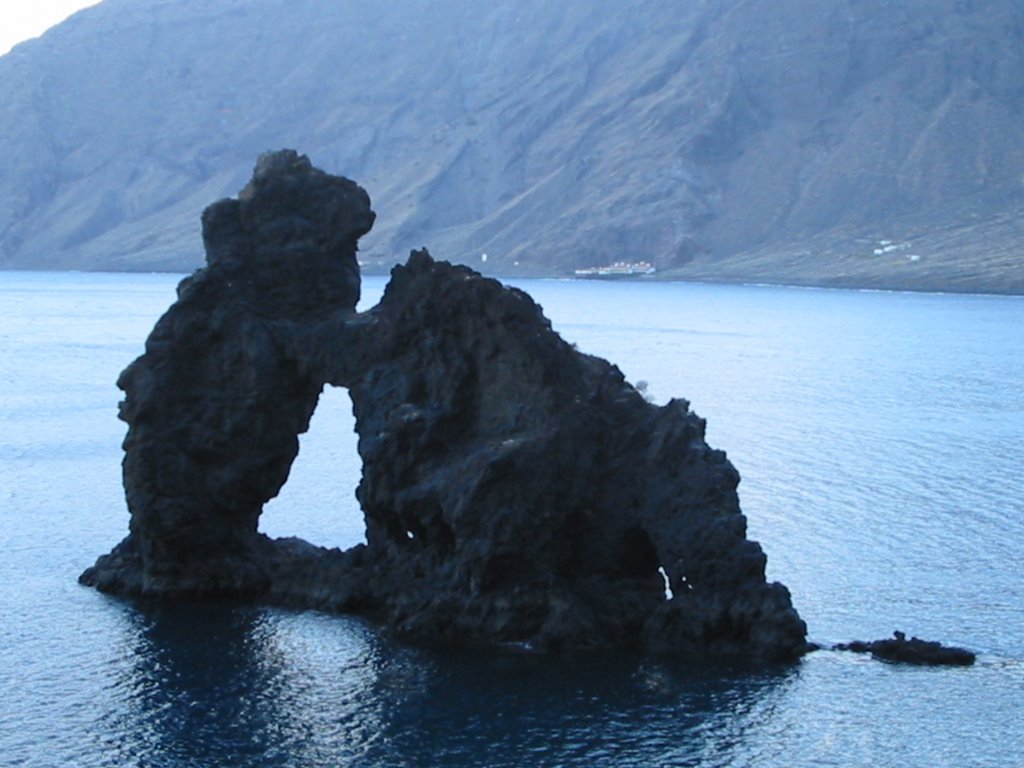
840 283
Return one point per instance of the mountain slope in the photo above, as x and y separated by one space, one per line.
778 141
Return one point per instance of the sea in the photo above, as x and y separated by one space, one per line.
880 440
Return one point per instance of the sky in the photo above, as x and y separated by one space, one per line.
23 19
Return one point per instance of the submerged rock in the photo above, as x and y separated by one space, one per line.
913 651
516 491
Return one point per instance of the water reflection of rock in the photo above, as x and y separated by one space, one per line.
476 709
209 684
232 684
202 682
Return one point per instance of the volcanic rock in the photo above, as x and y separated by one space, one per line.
215 405
913 651
516 491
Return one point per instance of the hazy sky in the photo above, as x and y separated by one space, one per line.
22 19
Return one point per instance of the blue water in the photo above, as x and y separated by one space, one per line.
880 438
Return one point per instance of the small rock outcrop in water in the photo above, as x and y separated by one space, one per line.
913 651
516 491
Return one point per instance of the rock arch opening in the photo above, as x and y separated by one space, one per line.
318 501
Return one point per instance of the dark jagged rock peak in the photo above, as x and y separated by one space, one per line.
215 405
516 491
913 651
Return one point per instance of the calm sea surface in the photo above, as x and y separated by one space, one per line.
880 438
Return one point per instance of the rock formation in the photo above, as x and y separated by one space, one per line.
913 651
215 405
516 491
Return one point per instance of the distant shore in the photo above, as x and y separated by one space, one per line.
934 283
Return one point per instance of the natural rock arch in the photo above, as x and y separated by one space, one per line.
318 501
216 403
515 490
